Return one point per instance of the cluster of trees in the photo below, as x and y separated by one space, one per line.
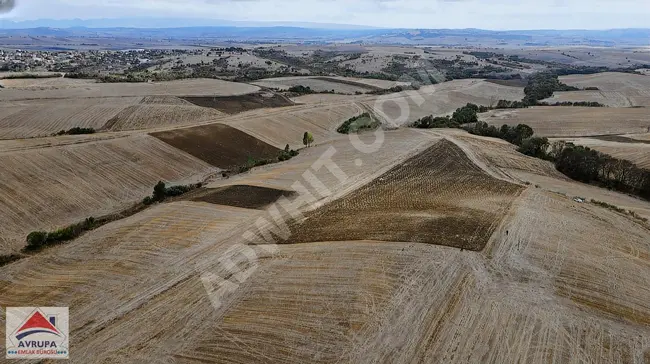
284 155
571 103
287 154
577 162
464 115
307 139
542 85
515 134
590 166
413 86
346 127
38 240
161 192
76 131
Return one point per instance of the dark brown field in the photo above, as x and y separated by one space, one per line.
218 144
244 196
241 103
438 197
621 139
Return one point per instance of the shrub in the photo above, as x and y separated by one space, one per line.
36 239
7 259
77 131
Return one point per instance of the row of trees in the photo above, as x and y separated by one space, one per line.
591 166
464 115
577 162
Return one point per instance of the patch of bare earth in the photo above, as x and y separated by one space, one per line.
218 144
437 197
237 104
244 196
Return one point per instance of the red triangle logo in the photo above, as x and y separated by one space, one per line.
38 321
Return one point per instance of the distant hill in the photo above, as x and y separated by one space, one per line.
222 30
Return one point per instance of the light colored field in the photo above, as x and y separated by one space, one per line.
441 99
153 115
637 153
317 85
385 84
37 118
608 98
190 87
164 100
500 155
287 126
45 83
618 89
53 187
573 121
644 136
559 282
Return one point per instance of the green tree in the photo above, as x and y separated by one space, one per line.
36 239
307 139
159 191
534 147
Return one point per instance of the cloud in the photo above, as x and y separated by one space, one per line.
489 14
6 5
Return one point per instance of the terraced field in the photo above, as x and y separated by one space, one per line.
413 203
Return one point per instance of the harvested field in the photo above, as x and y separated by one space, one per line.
637 152
218 144
503 155
244 196
280 128
192 87
371 82
52 187
557 121
607 98
441 99
558 282
164 100
317 84
153 115
438 197
618 89
237 104
37 118
55 83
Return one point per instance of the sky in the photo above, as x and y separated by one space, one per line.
484 14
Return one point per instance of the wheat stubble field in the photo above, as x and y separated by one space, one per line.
371 272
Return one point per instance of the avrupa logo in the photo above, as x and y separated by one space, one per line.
37 333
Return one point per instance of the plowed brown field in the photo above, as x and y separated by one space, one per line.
218 144
438 197
247 197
